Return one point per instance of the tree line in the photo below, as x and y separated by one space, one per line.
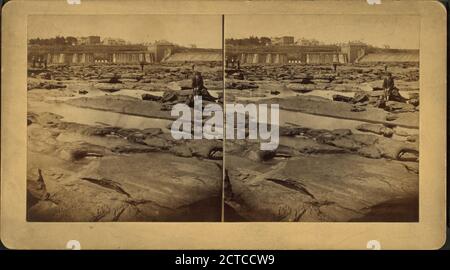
248 41
58 40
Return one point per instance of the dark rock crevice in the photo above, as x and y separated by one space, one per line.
106 183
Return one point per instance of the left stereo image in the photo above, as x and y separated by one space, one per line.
101 89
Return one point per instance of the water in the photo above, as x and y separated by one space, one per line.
137 93
316 121
328 94
96 117
88 116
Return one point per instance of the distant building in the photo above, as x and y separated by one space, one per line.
307 42
285 40
90 40
82 40
94 40
114 41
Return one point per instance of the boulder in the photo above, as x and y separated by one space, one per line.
274 92
391 117
207 149
408 156
45 85
181 151
369 151
376 128
343 98
395 106
151 97
342 132
156 142
152 131
401 133
146 80
301 88
238 75
166 107
292 131
78 151
344 142
260 155
361 97
357 109
114 79
108 87
169 96
413 138
241 85
107 75
414 102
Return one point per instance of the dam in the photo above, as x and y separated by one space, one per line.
118 54
317 54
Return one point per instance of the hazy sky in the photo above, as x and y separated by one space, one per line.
203 30
396 31
206 30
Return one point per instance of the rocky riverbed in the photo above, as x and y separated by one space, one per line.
100 148
341 156
96 153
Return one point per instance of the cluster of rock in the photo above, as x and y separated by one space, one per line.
131 73
119 174
322 175
318 74
44 84
170 98
111 78
306 78
375 99
240 85
367 145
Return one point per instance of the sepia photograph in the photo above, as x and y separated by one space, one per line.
347 88
107 143
223 125
100 94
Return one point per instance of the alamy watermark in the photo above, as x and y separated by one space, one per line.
236 116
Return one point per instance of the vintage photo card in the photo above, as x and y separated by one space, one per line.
223 125
346 130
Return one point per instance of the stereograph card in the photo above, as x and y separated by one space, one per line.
223 125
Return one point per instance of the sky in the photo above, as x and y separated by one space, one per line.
205 31
402 32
